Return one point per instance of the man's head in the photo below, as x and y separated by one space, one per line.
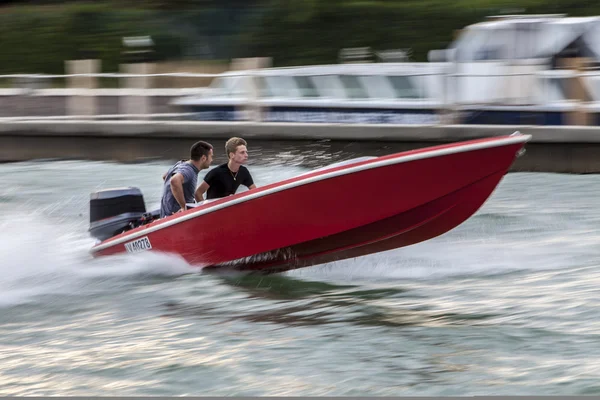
236 150
201 154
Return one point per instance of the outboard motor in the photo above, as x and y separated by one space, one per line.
113 211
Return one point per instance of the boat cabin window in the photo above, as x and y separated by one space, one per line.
279 86
329 86
232 86
306 86
354 89
404 88
262 88
378 87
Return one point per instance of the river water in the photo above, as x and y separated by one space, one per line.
507 303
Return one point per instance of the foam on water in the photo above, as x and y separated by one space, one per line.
38 256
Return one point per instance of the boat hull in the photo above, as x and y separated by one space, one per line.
404 229
349 211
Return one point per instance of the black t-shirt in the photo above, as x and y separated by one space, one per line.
223 182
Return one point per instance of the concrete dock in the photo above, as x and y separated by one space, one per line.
564 149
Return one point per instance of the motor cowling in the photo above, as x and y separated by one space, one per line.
113 211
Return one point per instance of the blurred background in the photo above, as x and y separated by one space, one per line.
39 35
408 71
375 62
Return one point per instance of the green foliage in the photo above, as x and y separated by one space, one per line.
38 38
299 37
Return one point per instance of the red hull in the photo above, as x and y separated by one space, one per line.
414 226
343 212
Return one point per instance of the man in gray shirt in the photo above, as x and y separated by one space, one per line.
180 180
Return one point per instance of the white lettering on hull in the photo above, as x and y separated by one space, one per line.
141 244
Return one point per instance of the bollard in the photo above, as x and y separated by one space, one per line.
82 99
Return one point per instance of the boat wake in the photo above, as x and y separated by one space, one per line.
39 257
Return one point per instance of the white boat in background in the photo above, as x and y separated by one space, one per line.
400 93
517 70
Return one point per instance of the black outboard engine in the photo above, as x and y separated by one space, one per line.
113 211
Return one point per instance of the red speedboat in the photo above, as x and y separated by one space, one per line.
349 209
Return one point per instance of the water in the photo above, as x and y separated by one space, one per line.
507 303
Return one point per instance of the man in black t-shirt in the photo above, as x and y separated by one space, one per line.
224 180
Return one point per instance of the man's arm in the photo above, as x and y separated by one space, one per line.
248 181
200 190
177 189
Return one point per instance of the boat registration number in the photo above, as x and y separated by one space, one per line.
141 244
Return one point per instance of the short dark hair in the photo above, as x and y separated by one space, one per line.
200 149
